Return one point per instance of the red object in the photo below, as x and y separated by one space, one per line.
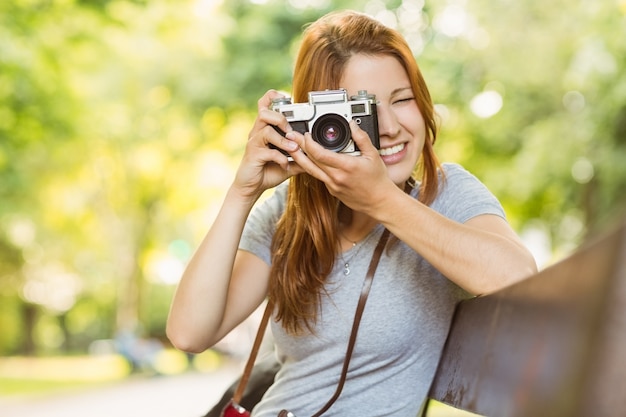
233 409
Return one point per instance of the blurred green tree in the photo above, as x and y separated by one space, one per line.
533 98
122 122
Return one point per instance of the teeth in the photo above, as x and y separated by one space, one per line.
391 151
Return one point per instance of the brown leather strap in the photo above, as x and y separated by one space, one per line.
367 285
241 387
365 290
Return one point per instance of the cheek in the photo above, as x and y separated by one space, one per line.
414 124
417 130
410 115
419 127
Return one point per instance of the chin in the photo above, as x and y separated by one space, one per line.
399 177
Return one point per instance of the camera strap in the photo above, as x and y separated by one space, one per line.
365 289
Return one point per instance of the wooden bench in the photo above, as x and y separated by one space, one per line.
553 345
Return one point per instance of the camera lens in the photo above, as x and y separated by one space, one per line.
332 132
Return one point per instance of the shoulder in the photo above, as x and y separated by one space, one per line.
454 178
454 170
462 195
269 208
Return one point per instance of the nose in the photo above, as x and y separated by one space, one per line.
388 125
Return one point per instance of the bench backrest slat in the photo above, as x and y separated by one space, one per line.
552 345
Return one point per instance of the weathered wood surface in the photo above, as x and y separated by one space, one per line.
552 345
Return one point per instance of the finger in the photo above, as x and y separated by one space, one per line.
272 119
265 114
307 165
268 115
272 159
275 119
362 140
322 156
271 137
265 102
294 169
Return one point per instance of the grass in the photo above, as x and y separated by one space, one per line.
33 375
10 387
437 409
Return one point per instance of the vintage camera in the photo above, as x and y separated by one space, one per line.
326 117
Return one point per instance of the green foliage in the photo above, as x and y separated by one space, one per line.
122 122
551 152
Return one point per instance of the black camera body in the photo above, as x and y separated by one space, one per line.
326 117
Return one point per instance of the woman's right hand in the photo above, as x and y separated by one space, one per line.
263 167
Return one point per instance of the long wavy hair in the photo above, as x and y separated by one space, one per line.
306 240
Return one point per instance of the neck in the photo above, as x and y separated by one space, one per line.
354 226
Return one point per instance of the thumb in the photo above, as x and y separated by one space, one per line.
362 139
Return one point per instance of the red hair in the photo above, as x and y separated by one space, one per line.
306 240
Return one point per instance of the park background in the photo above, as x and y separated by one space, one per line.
122 123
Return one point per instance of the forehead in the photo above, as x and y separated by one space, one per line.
379 74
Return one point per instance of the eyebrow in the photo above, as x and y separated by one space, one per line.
400 90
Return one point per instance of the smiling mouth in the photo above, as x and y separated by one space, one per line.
392 150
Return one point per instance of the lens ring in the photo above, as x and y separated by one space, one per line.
332 132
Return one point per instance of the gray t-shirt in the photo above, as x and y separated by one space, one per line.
403 328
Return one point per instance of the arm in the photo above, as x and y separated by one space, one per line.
217 291
222 285
481 255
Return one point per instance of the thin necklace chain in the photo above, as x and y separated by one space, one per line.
354 243
346 263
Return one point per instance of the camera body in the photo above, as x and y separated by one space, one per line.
326 117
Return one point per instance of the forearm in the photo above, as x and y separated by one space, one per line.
481 256
199 304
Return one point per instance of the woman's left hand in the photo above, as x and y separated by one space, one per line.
358 181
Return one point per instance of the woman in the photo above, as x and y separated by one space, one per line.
308 246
